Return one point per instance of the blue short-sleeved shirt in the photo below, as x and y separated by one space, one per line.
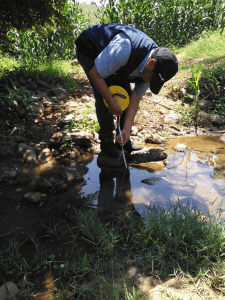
116 55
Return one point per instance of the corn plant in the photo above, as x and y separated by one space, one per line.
168 21
47 44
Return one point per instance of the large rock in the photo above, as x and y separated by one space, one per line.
44 154
27 153
58 92
76 137
34 109
106 161
11 292
74 173
154 139
8 174
217 119
149 154
207 105
34 197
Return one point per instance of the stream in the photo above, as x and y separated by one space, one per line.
194 175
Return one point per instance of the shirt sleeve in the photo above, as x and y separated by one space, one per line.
141 88
114 56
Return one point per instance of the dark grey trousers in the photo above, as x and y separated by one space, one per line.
105 118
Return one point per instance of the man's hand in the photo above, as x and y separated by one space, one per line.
126 136
115 109
103 89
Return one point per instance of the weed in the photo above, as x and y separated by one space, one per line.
63 114
84 123
166 134
194 83
185 117
19 97
67 144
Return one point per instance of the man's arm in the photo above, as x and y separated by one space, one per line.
101 86
129 118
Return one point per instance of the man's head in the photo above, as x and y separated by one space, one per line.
164 65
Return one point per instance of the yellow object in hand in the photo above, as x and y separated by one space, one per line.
120 95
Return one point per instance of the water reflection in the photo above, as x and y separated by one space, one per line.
115 197
195 177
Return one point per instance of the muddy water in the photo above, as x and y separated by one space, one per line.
194 175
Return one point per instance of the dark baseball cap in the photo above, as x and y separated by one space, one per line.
165 68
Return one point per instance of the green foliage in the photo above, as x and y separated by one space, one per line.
185 117
212 82
84 123
168 21
33 47
28 14
19 97
23 14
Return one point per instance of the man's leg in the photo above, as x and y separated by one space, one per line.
105 118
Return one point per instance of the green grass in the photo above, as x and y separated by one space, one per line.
7 64
177 240
91 11
55 68
210 45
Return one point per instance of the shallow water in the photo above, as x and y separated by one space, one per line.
195 176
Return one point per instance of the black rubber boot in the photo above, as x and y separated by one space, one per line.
129 147
109 147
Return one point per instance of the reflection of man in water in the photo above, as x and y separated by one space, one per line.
120 204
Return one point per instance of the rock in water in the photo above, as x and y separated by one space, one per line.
106 161
149 154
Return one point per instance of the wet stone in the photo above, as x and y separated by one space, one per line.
106 161
180 147
154 139
33 197
43 185
74 172
44 154
74 154
151 180
149 154
55 152
8 174
27 152
65 161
